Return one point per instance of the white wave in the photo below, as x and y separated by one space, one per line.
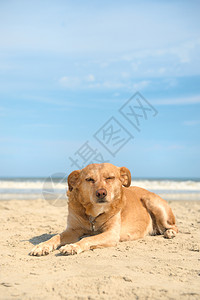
173 185
31 185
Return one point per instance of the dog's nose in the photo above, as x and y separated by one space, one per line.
101 193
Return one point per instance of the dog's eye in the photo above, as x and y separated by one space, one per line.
110 178
90 179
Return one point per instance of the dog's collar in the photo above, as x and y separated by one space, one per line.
92 220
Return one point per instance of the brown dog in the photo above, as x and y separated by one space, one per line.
106 212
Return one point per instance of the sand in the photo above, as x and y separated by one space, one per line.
150 268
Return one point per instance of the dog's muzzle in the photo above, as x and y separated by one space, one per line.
101 194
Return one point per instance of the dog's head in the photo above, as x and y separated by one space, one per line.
98 186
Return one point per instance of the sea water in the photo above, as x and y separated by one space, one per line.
37 188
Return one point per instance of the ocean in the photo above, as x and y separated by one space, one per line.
53 189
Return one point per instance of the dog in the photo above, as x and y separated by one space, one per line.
104 210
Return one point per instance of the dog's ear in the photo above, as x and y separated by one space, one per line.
125 176
72 179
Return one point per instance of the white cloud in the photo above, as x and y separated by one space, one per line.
90 78
78 28
125 75
163 146
175 147
192 122
185 50
178 101
108 85
89 82
113 85
178 59
2 112
171 82
69 82
162 70
116 94
141 85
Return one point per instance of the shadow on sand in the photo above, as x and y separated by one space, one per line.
40 238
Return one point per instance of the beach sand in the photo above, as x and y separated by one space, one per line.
150 268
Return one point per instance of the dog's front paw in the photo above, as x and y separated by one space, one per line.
41 249
70 249
169 234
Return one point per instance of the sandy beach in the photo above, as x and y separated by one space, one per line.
150 268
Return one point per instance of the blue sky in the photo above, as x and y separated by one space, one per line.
66 67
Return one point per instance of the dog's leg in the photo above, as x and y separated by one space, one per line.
162 215
105 239
108 238
68 236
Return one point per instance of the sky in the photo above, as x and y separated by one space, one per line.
68 67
